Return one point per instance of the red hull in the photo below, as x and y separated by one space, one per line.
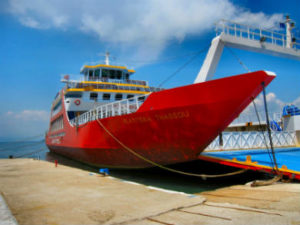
172 126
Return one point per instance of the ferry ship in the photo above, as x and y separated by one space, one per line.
93 118
107 119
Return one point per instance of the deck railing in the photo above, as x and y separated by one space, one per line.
254 33
111 84
117 108
80 78
72 85
252 140
126 81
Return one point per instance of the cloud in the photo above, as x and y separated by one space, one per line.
30 22
297 102
259 19
142 28
275 105
41 14
28 115
26 123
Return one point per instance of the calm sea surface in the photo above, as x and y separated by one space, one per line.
153 177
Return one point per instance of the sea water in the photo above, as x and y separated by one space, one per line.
23 149
151 177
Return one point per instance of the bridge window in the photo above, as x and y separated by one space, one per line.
97 73
106 96
86 73
118 97
112 74
118 74
105 73
91 74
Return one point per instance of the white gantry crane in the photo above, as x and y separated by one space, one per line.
249 38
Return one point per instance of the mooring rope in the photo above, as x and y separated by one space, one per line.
273 157
239 60
184 65
263 133
269 129
203 176
258 183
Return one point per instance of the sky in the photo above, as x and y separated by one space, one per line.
42 39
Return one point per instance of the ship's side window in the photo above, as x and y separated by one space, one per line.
57 94
118 97
94 96
127 76
58 105
73 95
106 96
130 96
57 124
97 73
141 98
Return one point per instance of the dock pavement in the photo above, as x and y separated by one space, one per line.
37 192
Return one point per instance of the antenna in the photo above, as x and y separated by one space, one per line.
107 58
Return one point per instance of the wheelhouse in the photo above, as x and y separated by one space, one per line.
106 72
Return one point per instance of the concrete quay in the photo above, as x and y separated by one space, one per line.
37 192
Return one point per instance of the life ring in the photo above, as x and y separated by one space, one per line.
77 102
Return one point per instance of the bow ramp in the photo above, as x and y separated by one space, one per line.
235 35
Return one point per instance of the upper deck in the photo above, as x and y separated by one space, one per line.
94 80
109 73
104 77
100 84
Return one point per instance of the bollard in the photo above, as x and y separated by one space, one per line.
56 162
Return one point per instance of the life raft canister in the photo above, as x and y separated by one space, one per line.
77 102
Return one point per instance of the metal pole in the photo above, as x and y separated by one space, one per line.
268 126
137 103
127 103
